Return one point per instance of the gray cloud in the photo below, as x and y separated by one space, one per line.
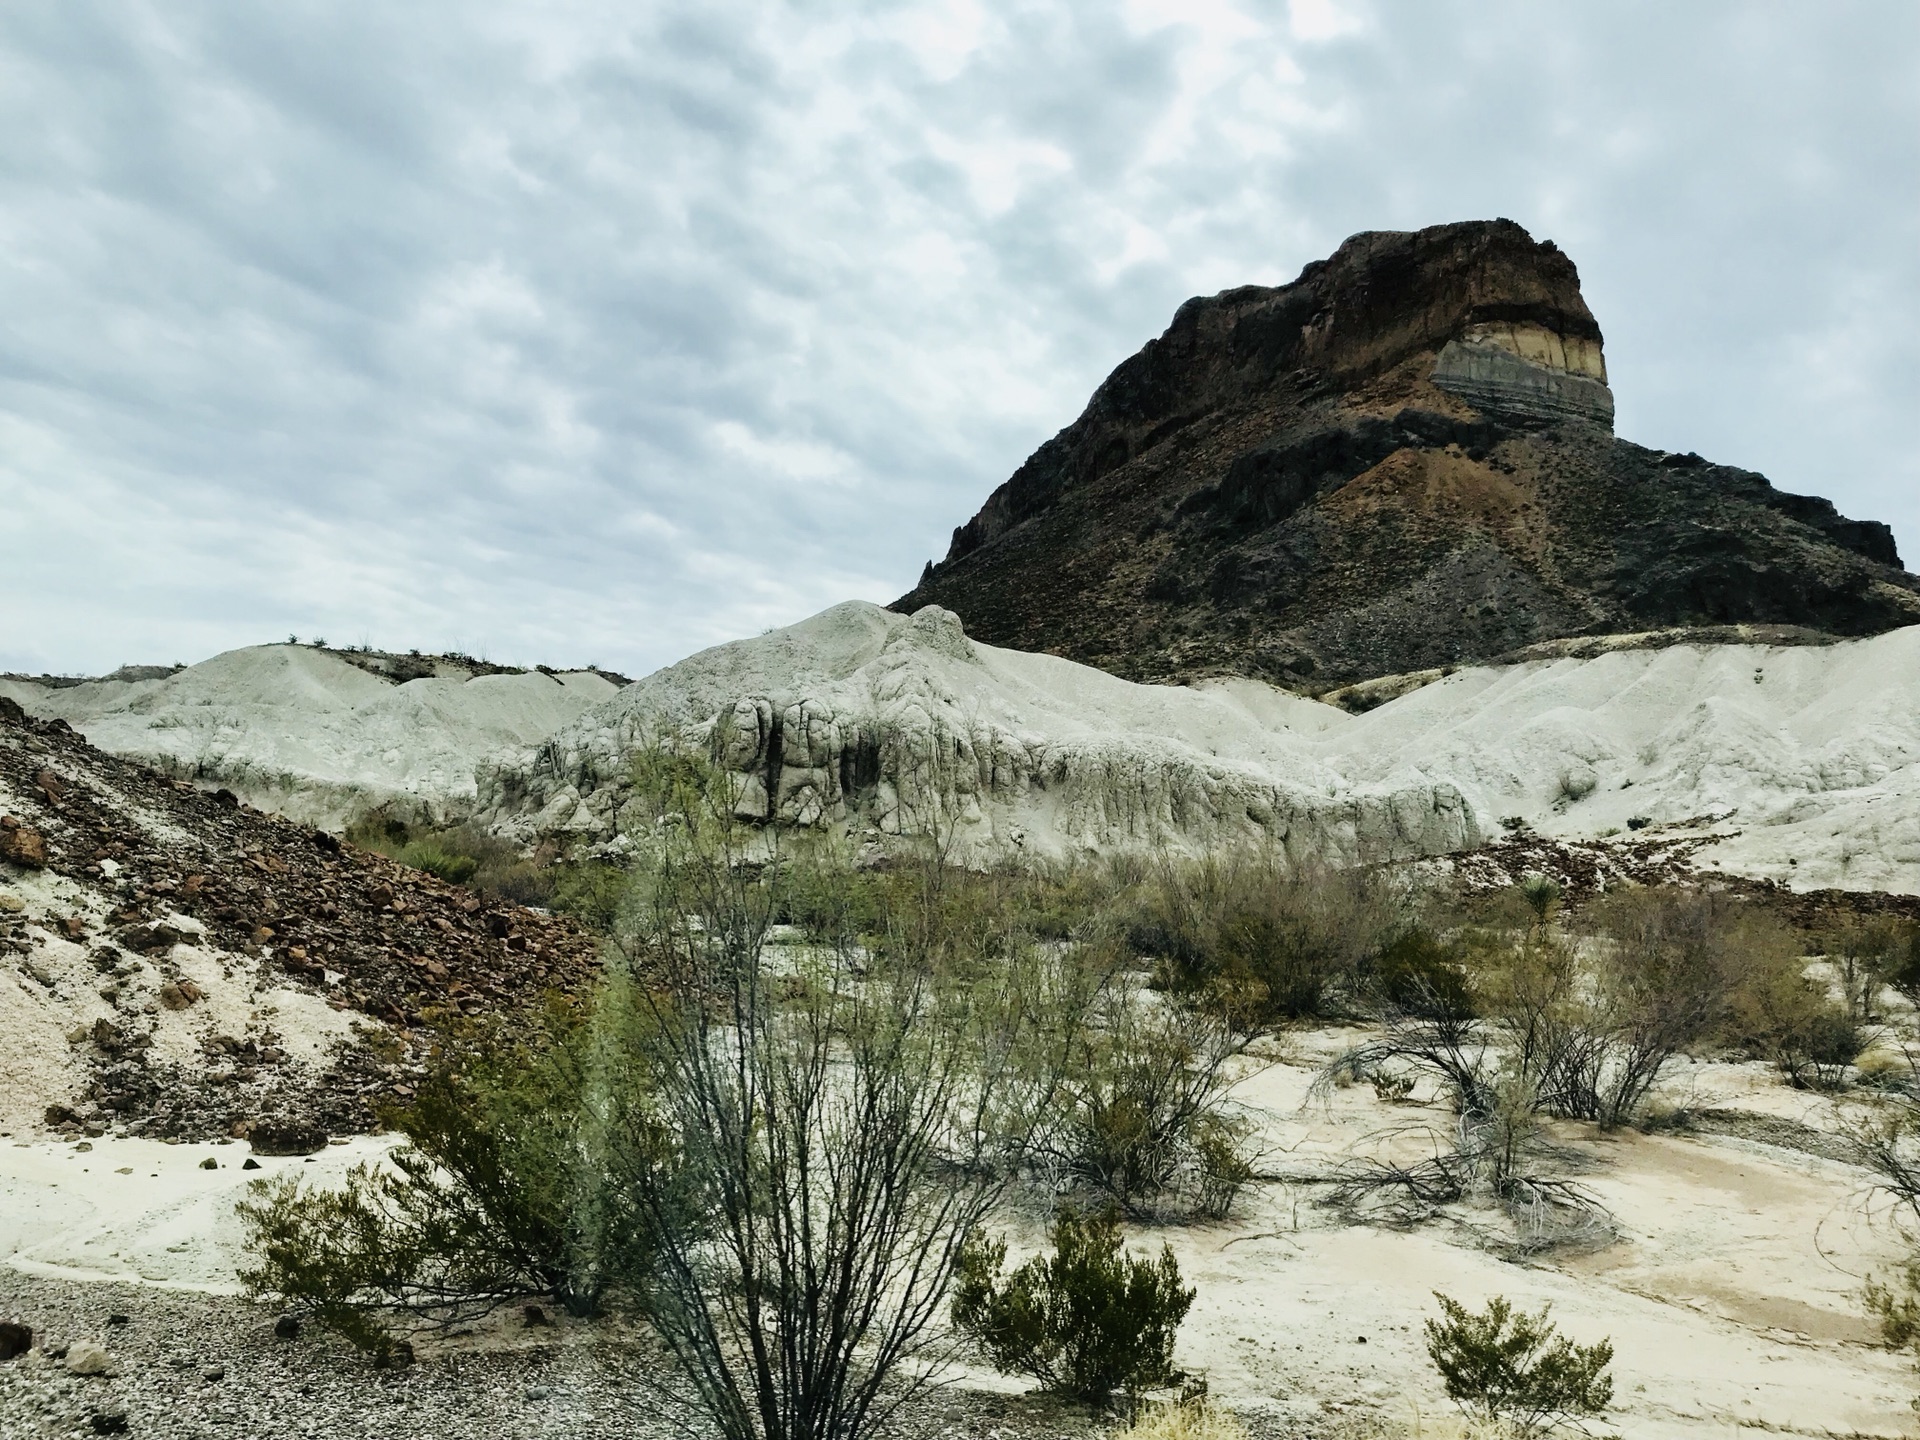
582 331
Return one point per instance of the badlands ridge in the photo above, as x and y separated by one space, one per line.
1789 762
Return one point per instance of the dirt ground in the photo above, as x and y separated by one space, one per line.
1730 1289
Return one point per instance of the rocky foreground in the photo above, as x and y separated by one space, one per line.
180 1364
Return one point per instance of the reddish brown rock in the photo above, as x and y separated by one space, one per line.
22 845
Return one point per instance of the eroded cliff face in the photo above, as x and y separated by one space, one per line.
1402 460
876 724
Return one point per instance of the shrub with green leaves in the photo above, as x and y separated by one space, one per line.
1087 1320
497 1195
1261 941
1508 1366
460 855
1142 1119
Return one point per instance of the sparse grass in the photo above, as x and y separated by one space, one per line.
589 890
1196 1419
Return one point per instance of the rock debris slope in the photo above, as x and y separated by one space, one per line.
176 964
895 725
1799 763
1403 460
314 736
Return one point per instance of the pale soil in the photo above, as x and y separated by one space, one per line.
302 732
1794 763
1731 1293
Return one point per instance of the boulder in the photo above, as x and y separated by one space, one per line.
287 1137
21 845
15 1339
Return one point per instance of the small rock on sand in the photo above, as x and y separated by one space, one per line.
88 1357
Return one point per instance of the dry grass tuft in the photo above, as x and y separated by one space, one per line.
1184 1420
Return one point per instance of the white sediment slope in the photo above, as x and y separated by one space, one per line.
1802 761
899 725
303 732
1795 762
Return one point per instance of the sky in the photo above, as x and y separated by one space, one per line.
579 332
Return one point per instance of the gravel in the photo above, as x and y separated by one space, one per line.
190 1364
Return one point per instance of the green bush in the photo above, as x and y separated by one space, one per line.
1423 974
1508 1366
498 1194
459 855
1787 1016
1260 941
432 855
1142 1118
1087 1320
591 891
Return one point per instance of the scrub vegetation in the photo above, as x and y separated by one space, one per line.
811 1098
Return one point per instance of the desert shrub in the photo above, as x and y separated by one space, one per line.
1087 1320
1542 894
1902 963
1664 976
1142 1118
1511 1367
841 1116
1789 1017
460 855
1867 953
1585 1024
1513 1019
1895 1304
1189 1418
434 855
1260 941
590 891
495 1196
1421 972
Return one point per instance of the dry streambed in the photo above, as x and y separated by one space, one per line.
1731 1291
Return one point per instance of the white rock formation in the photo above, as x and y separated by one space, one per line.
297 730
873 720
1799 763
1805 760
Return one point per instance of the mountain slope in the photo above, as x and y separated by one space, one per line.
1403 460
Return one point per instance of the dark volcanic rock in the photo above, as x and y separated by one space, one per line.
286 1137
15 1339
1403 460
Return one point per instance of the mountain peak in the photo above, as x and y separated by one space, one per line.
1402 459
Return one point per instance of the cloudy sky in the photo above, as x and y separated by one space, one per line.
579 331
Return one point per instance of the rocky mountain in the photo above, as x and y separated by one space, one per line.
1404 460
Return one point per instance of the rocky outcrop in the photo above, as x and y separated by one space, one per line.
1404 460
879 724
